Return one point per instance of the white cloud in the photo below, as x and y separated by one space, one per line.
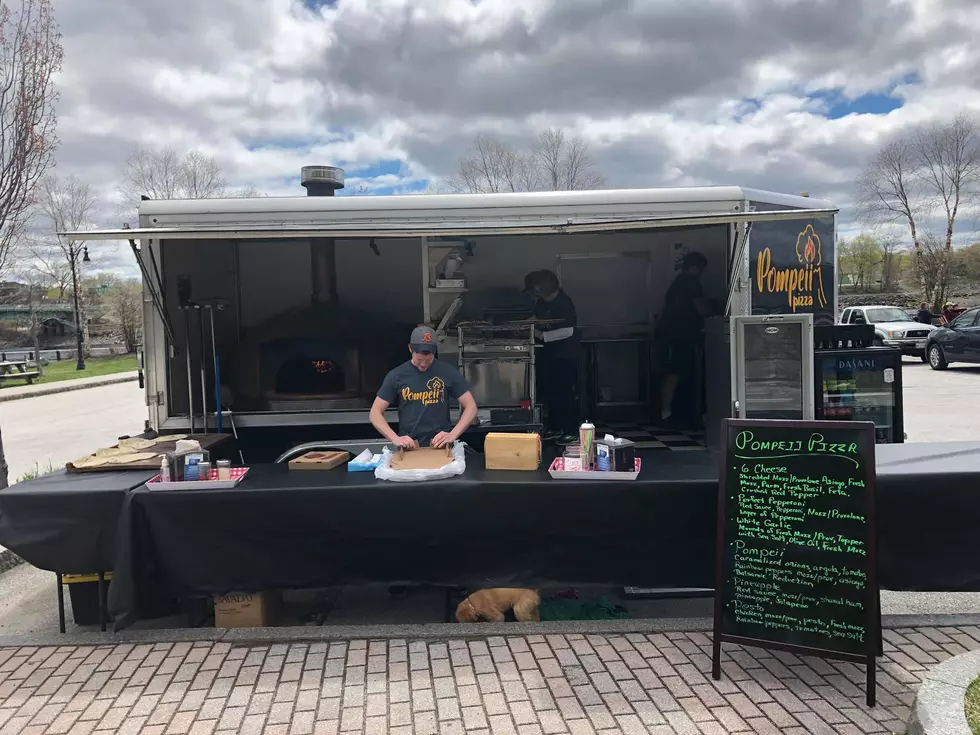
668 93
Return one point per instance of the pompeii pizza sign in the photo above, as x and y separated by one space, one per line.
792 267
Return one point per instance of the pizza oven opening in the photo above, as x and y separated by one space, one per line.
317 373
309 375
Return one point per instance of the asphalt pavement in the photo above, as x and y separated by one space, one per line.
55 429
941 405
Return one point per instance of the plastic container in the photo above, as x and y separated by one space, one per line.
224 469
164 470
572 457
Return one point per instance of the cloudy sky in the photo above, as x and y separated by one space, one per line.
778 94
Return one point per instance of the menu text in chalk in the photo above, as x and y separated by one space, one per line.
796 553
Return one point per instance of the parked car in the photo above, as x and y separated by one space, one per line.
958 341
893 328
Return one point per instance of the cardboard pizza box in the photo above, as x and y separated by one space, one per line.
425 458
319 460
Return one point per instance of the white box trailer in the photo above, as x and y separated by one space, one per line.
337 282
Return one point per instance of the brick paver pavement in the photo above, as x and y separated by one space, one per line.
658 683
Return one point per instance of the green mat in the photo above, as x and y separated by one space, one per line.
598 609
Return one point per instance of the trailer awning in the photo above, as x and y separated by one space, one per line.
441 229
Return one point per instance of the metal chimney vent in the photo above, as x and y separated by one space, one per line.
322 181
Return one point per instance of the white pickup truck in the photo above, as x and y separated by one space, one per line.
893 327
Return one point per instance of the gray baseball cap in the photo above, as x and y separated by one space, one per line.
423 339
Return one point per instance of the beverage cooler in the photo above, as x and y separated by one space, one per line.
861 384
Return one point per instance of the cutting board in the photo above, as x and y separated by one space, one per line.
319 460
208 442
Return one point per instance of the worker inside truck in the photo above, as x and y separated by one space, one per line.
680 328
560 353
422 387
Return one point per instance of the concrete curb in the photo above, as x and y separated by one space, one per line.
940 707
68 388
437 631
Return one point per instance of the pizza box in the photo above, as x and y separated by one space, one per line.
324 460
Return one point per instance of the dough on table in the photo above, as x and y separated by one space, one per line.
90 461
132 458
111 452
135 444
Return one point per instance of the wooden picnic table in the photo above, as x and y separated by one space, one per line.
17 369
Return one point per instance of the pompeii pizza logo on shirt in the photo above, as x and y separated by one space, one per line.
434 393
802 285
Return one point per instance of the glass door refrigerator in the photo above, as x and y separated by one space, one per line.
861 384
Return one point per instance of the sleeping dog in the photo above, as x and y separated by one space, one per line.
492 605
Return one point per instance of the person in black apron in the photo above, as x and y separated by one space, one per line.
559 353
680 326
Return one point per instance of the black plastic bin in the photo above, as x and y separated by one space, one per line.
85 599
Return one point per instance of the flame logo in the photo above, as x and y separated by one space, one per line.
437 386
808 249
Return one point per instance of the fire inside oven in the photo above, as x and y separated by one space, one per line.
310 375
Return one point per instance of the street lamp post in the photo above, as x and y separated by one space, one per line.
79 337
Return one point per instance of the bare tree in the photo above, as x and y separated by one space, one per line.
124 309
889 189
891 264
48 263
950 160
30 57
36 290
566 163
493 166
555 162
936 168
931 267
66 206
162 173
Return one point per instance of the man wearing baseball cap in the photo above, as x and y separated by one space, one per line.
421 388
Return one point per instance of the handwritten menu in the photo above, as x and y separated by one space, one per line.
796 537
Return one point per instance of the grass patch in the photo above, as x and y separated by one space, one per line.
55 372
973 706
36 472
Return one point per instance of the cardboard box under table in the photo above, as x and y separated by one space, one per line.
253 610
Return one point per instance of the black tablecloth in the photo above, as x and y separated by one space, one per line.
282 529
66 522
928 509
309 529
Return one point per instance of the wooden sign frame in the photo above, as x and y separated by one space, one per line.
872 605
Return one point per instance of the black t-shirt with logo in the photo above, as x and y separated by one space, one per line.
423 397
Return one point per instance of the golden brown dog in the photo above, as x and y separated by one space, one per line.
490 606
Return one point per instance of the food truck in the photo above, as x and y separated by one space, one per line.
274 320
278 318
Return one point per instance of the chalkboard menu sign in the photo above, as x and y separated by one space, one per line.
796 540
